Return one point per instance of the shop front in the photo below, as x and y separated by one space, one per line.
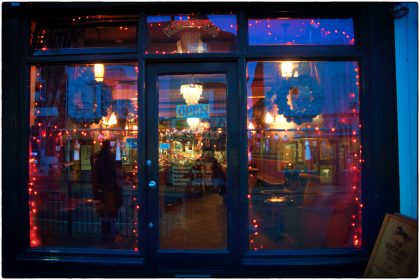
196 140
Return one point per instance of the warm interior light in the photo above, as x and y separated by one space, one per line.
193 122
99 71
251 126
112 119
269 118
191 93
281 122
287 69
275 199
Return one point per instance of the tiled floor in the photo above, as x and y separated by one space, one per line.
194 223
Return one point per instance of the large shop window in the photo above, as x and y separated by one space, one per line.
81 194
191 34
95 31
304 155
286 31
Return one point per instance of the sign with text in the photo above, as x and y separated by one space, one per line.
396 249
193 111
164 146
131 143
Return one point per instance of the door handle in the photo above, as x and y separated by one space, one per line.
152 184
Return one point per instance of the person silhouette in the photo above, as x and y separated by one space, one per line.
106 190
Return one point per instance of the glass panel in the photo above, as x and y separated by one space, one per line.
192 161
81 193
86 32
284 31
304 155
191 33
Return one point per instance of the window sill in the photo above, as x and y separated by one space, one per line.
308 257
91 256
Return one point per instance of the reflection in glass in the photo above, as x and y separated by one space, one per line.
191 33
85 32
304 155
192 161
83 156
284 31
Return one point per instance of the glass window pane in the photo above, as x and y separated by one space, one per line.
304 155
192 161
191 33
81 193
285 31
96 31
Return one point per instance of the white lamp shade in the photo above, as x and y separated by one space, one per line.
112 119
191 93
99 71
193 122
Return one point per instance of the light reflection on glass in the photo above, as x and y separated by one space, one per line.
191 34
192 161
94 31
74 111
285 31
304 155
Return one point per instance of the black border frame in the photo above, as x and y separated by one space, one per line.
380 177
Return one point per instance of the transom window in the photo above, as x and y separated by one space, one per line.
88 31
191 33
292 31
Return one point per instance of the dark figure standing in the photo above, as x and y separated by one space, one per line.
106 190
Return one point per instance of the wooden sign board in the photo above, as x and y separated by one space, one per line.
396 249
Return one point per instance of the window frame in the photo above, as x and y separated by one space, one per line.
304 53
40 13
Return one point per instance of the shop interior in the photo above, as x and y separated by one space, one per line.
304 155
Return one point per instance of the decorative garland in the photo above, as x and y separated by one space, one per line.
188 135
299 99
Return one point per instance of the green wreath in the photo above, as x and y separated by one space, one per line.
299 99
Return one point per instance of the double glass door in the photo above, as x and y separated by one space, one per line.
191 173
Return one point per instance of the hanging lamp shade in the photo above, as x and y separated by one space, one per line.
288 69
112 119
99 72
191 93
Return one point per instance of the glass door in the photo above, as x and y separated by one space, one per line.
190 181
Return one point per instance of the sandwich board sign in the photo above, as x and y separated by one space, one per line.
396 249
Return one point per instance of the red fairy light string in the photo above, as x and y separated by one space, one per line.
34 238
44 129
355 149
136 208
312 23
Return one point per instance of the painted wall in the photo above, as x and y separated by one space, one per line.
406 52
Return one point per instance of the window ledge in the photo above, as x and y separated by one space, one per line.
79 256
306 258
